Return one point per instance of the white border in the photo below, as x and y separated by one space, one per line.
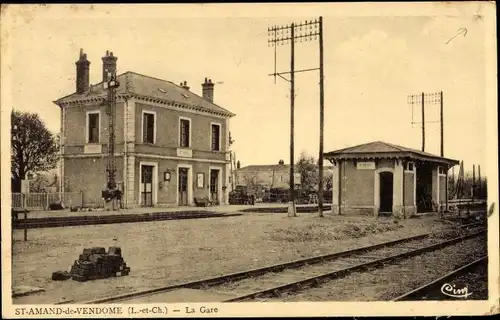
154 184
144 111
441 308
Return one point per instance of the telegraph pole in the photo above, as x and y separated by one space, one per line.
480 183
321 118
423 122
292 120
441 120
473 182
280 35
423 99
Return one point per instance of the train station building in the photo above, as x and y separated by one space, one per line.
171 144
380 178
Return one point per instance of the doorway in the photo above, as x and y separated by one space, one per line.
424 187
214 185
146 186
386 191
183 186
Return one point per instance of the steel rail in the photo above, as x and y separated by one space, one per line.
205 283
208 282
317 280
430 285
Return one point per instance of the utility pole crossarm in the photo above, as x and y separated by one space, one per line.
423 99
291 34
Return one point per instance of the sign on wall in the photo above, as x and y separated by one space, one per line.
185 153
200 180
365 165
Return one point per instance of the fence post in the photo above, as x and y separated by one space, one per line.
23 197
25 225
48 202
81 193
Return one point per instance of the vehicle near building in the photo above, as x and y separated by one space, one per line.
242 195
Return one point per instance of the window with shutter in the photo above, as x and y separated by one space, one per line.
93 128
215 137
148 127
184 133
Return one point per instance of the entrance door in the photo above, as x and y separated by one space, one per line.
146 186
183 186
386 186
214 185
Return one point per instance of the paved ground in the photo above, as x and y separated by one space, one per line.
170 252
218 209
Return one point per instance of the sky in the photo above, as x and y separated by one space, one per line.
374 57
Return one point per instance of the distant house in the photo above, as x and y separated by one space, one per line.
271 176
171 144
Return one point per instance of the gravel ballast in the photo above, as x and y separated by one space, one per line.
393 280
172 252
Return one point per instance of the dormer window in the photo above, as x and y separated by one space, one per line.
161 90
441 170
185 96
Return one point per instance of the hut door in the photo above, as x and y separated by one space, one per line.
386 189
183 186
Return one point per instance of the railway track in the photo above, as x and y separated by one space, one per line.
434 290
341 268
320 267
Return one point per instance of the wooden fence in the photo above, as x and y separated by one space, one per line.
42 201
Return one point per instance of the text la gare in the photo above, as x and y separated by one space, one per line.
203 309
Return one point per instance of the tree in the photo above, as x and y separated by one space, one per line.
308 169
33 147
44 182
329 180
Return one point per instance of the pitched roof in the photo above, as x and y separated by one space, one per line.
270 167
142 86
264 167
380 149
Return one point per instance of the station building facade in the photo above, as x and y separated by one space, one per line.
171 144
380 178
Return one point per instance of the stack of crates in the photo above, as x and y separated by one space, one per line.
96 263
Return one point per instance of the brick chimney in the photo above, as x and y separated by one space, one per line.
108 65
208 90
184 85
82 73
238 164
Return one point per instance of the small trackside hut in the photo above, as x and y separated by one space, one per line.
380 178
